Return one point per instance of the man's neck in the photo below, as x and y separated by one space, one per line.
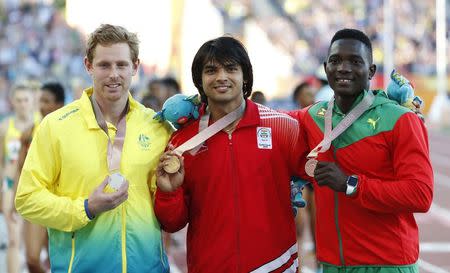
24 121
345 103
219 110
112 111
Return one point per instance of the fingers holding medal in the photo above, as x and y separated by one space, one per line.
171 161
170 171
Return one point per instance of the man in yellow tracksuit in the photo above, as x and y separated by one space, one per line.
89 174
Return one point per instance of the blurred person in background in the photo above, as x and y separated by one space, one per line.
104 222
258 97
161 89
52 97
158 90
22 98
151 102
234 192
324 93
172 85
375 175
303 96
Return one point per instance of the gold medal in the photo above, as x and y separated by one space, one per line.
310 166
172 165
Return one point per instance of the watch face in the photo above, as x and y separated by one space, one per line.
352 181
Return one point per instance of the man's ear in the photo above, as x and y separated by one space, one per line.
372 70
87 65
136 66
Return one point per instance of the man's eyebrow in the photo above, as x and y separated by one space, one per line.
231 65
210 66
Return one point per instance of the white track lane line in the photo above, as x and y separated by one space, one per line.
431 267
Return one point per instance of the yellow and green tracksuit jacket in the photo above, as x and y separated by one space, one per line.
66 162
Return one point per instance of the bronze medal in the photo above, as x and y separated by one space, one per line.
310 166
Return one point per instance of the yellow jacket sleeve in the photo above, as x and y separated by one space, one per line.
35 197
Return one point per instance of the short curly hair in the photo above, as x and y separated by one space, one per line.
110 34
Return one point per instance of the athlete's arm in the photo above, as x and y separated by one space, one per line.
412 190
171 204
35 199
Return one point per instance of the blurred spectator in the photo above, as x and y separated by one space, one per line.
302 28
158 91
324 93
303 95
37 43
258 97
172 85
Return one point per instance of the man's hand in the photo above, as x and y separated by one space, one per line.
417 103
99 201
167 182
330 175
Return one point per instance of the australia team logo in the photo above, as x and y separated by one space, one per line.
144 142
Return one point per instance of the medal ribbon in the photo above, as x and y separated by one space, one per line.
331 134
114 151
209 131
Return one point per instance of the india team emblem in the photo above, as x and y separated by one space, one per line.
264 137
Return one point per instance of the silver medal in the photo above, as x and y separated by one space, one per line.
116 180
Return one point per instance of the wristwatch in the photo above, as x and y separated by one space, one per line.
352 183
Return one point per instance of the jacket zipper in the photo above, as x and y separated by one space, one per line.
336 217
236 201
72 256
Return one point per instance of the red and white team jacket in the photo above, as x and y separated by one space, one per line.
236 196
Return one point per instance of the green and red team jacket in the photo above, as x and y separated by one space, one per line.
387 148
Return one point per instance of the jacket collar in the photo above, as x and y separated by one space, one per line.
88 112
251 115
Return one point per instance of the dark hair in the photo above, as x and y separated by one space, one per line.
171 83
355 34
224 50
299 89
56 89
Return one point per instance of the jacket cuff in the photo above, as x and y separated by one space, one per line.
80 216
176 194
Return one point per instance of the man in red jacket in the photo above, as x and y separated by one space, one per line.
370 160
235 192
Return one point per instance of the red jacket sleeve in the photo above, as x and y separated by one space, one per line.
302 146
412 189
171 209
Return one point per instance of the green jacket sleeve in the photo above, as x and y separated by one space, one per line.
36 198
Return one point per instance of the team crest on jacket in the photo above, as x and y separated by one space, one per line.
144 142
321 112
264 137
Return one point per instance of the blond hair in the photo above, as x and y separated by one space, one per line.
109 34
30 86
